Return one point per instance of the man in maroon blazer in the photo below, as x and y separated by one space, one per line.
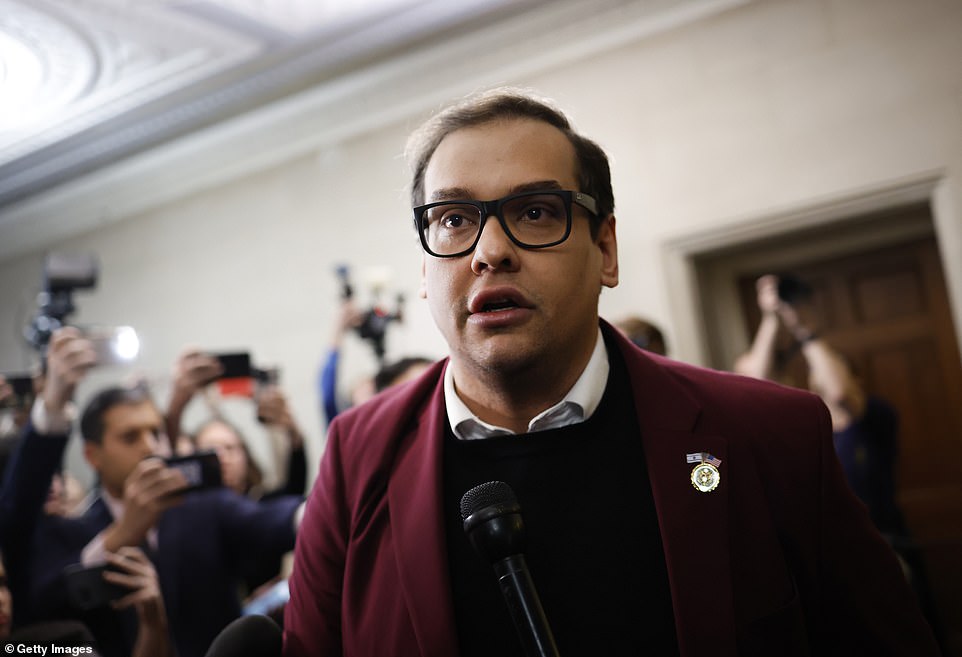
669 510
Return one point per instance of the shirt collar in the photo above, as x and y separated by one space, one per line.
577 405
114 505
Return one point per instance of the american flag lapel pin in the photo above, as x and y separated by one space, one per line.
705 476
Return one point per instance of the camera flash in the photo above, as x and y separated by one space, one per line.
126 344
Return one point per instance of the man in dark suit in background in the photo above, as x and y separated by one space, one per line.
669 509
196 540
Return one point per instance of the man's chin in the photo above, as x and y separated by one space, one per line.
506 354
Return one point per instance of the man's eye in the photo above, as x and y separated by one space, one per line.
454 220
539 213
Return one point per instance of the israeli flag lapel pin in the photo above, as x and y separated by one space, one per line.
705 476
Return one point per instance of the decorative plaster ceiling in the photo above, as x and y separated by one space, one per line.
98 97
83 82
68 66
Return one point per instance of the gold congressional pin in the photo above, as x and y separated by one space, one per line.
705 476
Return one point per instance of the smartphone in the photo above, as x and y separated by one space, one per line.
236 365
87 589
200 469
236 379
114 345
22 386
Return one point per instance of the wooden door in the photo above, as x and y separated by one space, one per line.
886 311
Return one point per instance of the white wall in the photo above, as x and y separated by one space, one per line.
772 105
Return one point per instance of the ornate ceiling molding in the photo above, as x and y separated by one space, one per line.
75 65
248 94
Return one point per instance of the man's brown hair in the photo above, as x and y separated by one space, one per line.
594 174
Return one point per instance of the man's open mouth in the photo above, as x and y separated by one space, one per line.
495 306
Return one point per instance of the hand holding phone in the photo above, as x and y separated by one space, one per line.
194 370
200 469
88 589
149 490
131 569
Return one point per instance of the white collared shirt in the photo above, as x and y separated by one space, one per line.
94 552
578 404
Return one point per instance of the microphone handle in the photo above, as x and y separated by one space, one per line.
525 606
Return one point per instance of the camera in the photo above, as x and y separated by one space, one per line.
63 273
373 326
792 289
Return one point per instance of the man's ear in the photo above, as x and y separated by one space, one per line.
608 244
422 289
92 454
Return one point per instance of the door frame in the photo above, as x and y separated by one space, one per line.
701 267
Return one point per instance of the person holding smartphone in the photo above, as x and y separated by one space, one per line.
136 577
195 540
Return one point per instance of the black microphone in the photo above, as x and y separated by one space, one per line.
248 636
492 521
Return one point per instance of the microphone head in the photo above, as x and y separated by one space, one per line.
492 520
248 636
492 493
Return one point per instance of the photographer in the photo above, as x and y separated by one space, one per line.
26 508
864 426
195 371
348 319
860 423
195 540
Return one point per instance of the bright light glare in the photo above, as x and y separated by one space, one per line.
21 75
126 344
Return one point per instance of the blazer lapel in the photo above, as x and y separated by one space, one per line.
415 497
97 515
163 558
694 525
694 532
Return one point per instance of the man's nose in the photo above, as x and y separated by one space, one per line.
494 249
150 443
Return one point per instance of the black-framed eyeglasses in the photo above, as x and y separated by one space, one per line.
532 220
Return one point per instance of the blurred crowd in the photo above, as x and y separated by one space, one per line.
180 533
183 529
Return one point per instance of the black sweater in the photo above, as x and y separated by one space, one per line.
593 544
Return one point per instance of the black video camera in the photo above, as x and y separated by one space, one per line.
373 327
63 273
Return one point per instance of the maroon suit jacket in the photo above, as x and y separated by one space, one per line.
780 559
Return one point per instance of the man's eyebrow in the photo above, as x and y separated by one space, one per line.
461 194
450 194
536 186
